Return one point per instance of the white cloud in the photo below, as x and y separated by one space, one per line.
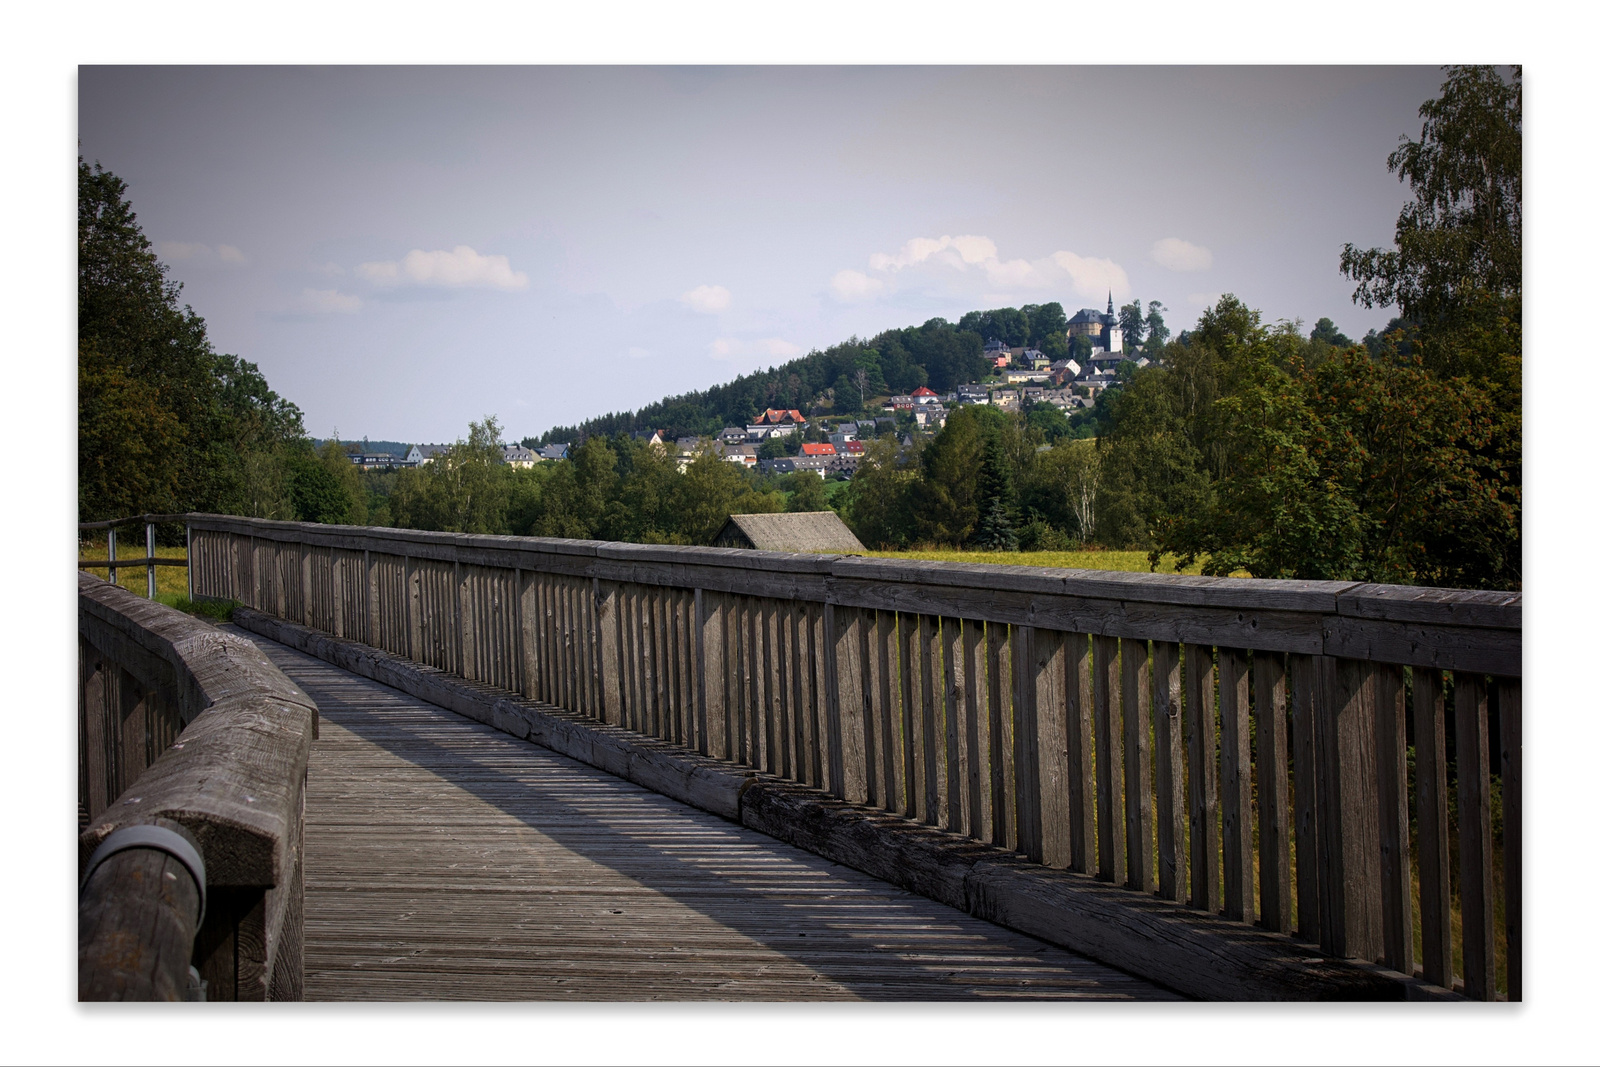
328 302
724 348
460 268
708 299
955 251
332 269
230 254
979 257
1174 254
1091 276
1204 299
852 285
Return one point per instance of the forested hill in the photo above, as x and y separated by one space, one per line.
938 354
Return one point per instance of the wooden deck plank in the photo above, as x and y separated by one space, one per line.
445 860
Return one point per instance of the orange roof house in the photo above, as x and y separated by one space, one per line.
775 416
817 450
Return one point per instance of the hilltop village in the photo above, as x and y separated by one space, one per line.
784 440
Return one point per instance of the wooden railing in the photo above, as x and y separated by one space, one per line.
192 732
1276 752
149 561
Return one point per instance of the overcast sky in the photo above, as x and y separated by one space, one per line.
404 249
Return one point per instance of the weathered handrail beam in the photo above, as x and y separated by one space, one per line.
233 779
131 520
1161 733
141 561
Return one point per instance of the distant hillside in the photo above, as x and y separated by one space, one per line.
398 448
938 354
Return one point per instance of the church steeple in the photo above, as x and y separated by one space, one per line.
1110 308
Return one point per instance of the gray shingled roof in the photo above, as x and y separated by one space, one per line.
803 531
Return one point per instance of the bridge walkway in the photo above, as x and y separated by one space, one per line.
445 860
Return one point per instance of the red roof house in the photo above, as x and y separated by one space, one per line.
776 416
922 394
817 450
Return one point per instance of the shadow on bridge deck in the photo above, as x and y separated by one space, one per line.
446 860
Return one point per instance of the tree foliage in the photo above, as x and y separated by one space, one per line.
165 423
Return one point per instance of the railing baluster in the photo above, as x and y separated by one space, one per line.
1472 801
1272 766
892 721
955 753
1135 657
1394 816
1237 854
1200 734
1053 707
1169 781
1510 698
980 797
1112 856
1303 717
1433 826
1026 652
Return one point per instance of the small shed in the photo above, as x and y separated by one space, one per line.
801 531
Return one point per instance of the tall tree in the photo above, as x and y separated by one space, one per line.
165 423
1131 318
1455 270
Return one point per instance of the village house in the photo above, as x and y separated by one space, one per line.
421 455
775 422
816 449
517 456
900 403
1006 399
790 464
558 451
923 395
972 394
732 435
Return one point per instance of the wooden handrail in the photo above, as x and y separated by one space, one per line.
182 722
132 520
1160 732
140 561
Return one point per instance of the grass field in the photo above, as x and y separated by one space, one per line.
1094 560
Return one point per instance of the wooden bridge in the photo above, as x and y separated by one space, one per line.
514 768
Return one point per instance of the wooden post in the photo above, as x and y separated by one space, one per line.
1238 876
150 554
1347 829
111 553
1052 682
911 710
1080 753
188 554
1170 795
1510 691
892 724
1308 894
1025 708
1272 783
980 798
1201 732
960 811
1394 816
1433 841
1136 761
1113 860
935 807
847 754
1472 801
